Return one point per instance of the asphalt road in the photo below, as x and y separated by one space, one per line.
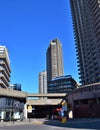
40 124
35 127
26 127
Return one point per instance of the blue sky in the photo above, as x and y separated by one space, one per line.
26 29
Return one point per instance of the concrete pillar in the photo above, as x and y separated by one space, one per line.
25 111
2 115
70 114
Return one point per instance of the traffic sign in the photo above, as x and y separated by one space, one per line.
29 108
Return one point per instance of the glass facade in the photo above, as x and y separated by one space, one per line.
62 84
9 108
16 87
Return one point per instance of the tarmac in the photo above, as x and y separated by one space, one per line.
25 121
86 123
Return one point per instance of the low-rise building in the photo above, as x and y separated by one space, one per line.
62 84
85 101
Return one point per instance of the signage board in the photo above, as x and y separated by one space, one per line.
29 108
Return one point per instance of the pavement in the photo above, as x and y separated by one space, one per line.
86 123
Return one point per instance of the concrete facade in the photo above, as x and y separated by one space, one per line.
54 60
4 67
11 104
85 101
48 95
86 21
44 102
12 93
43 82
11 97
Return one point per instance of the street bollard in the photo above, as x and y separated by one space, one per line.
63 120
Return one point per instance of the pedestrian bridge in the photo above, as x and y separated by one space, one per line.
48 95
44 101
12 93
29 98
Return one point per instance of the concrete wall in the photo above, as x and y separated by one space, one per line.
85 101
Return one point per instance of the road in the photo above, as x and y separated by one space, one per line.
35 127
42 124
28 127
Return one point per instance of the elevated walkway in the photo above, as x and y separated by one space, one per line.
43 99
12 93
43 102
48 95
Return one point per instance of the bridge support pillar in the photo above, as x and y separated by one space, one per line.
25 111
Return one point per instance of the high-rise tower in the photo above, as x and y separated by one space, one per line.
43 82
86 21
4 67
54 60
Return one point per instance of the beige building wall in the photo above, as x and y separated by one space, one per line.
54 60
43 82
4 67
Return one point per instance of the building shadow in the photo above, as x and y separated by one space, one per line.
85 124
